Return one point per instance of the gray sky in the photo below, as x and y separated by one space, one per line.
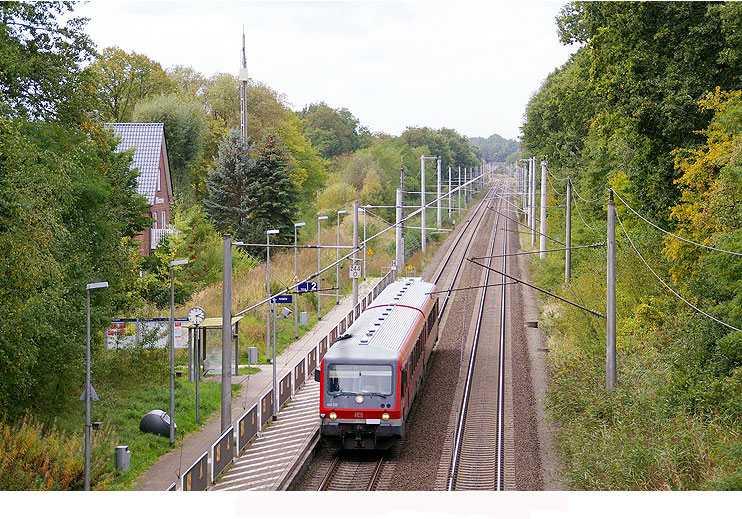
466 65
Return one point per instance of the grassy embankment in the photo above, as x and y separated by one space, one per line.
46 452
670 423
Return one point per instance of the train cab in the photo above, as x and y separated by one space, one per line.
365 374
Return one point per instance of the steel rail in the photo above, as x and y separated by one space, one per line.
375 475
483 208
330 473
470 371
338 461
501 374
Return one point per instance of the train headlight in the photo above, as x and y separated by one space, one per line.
359 399
333 415
385 416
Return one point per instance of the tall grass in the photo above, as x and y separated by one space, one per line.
32 458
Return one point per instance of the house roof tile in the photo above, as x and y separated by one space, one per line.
146 139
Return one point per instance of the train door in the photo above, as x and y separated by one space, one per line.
404 391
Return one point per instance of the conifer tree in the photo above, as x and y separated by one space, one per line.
229 185
274 198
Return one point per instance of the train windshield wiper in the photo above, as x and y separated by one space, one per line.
374 393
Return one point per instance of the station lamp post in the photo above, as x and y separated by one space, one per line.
296 278
319 265
268 292
88 385
285 313
337 265
173 264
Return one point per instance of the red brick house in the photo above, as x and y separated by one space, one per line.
150 159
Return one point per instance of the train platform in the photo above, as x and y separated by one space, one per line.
171 465
270 460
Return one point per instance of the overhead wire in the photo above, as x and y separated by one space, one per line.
554 188
675 235
668 286
554 176
585 199
579 213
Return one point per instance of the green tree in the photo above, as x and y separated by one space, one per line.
185 125
187 81
274 199
68 212
333 132
494 148
125 79
308 171
41 50
650 63
230 185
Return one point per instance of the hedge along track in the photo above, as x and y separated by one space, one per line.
477 461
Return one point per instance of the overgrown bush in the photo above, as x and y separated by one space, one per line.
32 458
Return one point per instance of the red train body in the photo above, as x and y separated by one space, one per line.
370 376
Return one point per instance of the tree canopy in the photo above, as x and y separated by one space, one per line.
124 79
333 132
494 148
42 48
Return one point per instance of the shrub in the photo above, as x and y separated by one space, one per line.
34 459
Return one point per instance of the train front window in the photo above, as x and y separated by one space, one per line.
360 379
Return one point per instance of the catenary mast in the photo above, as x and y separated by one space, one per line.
243 89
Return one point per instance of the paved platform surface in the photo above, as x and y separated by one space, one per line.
272 455
173 463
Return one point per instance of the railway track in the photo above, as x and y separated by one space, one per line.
353 471
333 470
478 457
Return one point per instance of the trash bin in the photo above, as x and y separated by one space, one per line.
252 355
122 458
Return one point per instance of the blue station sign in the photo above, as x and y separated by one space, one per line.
310 286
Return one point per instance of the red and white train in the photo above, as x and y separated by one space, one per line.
370 375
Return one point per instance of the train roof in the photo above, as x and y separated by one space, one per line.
380 331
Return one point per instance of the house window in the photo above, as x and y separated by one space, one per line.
154 224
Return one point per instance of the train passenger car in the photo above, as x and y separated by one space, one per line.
371 374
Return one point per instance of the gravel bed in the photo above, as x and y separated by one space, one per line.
417 457
427 425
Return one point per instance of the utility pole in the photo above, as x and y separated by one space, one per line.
355 251
319 266
243 89
459 192
400 243
610 350
542 241
466 192
400 204
568 234
422 202
533 201
226 333
438 206
528 192
449 192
